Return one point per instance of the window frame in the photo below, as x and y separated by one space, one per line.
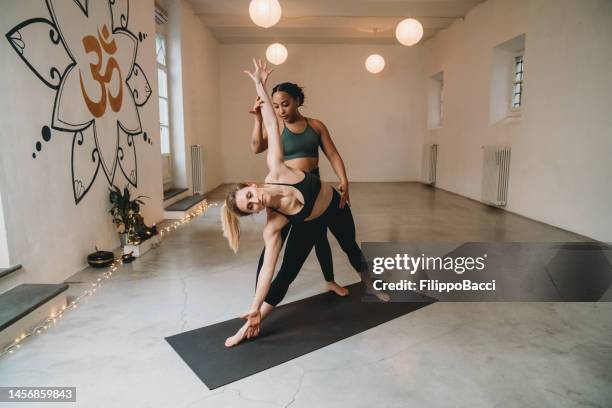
517 109
435 101
164 68
441 102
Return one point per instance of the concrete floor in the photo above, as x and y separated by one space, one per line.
112 348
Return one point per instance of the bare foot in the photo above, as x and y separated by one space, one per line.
383 296
236 338
334 287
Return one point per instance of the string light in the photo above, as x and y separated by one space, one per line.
53 318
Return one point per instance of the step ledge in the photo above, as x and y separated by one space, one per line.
58 288
174 193
7 271
34 319
176 206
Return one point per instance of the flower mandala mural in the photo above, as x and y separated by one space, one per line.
90 61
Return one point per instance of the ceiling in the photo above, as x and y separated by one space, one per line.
329 21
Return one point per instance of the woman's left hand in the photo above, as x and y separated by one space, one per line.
254 320
344 190
261 72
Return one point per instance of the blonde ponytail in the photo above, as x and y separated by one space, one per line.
230 221
231 227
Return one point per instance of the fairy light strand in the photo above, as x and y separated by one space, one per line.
53 319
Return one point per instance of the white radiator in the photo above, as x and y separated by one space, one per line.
430 163
495 175
197 171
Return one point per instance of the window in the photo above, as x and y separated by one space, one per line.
162 80
517 87
436 100
441 99
507 91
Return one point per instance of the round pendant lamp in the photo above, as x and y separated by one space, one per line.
277 53
409 32
265 13
375 63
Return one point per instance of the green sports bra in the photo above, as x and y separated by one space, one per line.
305 144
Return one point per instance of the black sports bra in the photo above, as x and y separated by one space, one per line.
309 187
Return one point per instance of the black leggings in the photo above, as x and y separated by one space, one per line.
322 248
341 224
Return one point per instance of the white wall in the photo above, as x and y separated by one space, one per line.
178 145
194 92
4 252
47 232
202 100
561 146
376 121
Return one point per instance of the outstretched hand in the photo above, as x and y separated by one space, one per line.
343 188
254 320
261 72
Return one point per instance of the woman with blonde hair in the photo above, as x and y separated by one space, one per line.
288 196
301 138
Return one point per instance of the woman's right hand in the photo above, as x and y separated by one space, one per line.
344 194
253 318
256 109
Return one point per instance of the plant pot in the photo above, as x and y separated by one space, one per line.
123 239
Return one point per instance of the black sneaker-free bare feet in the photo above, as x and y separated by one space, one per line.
339 290
236 338
382 296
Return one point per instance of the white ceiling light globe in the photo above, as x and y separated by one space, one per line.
375 63
277 53
409 31
265 13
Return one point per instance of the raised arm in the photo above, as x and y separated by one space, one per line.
275 150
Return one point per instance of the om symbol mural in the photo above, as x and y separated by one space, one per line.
87 55
92 45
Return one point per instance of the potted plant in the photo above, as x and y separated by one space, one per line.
123 210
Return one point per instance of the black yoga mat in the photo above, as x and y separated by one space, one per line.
290 331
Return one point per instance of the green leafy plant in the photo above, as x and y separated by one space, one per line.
124 208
